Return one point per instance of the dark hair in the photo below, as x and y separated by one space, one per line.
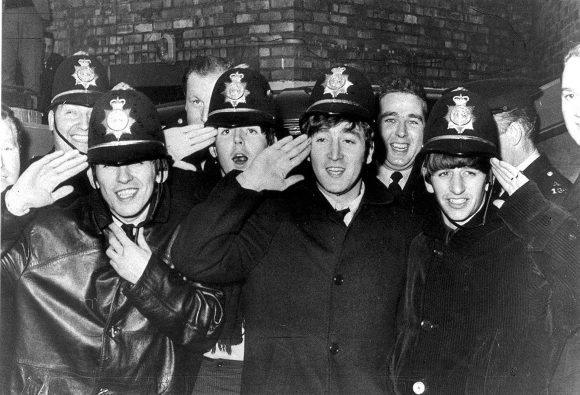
438 161
573 52
204 65
403 84
313 123
526 115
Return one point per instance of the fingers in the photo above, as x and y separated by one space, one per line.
281 143
184 165
120 235
47 158
71 168
65 158
198 146
510 178
62 192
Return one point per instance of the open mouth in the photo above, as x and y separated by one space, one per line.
400 147
240 159
335 171
126 194
457 202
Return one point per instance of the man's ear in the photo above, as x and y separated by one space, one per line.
161 177
428 186
213 151
370 153
92 180
515 132
51 120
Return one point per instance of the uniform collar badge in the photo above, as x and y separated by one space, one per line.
460 117
85 74
337 82
118 121
236 91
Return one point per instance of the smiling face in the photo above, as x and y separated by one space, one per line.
199 89
9 155
460 193
72 122
236 148
338 154
126 189
571 97
401 122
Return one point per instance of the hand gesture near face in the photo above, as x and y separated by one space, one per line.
36 185
509 177
127 258
183 141
270 168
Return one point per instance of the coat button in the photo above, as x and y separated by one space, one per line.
438 252
334 348
114 332
427 325
338 279
419 388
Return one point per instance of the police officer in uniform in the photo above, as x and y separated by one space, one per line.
492 289
97 308
511 101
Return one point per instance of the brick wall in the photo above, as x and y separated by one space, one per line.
442 41
557 29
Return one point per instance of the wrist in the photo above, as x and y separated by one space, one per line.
14 205
247 183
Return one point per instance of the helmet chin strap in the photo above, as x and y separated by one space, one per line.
66 140
485 206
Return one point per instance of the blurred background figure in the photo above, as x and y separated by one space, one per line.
50 62
22 31
11 137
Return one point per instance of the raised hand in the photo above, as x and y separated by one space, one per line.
509 177
127 258
183 141
36 185
269 169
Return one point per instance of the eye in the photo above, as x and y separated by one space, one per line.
568 96
225 132
389 120
252 131
195 101
349 141
320 139
415 122
442 173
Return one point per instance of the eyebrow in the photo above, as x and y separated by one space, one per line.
390 113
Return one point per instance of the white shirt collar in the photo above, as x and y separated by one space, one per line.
384 175
352 206
522 166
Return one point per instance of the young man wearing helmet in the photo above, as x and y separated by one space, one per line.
492 289
323 261
97 307
242 133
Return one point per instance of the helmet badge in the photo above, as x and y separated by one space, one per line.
236 91
85 74
118 121
337 82
460 117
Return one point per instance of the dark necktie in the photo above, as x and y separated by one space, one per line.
342 213
130 231
394 186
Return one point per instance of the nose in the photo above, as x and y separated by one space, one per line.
402 129
335 152
457 185
84 120
204 114
124 174
238 136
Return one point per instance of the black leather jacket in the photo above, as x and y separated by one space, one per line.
80 328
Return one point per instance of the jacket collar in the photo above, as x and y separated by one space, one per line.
103 217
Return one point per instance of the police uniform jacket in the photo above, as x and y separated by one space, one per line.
320 298
553 185
82 329
488 308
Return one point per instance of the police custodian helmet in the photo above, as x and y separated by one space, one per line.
80 80
124 128
241 97
462 124
343 90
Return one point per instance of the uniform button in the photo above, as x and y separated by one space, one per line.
549 174
419 388
338 279
103 391
437 252
334 348
114 332
571 237
220 364
427 325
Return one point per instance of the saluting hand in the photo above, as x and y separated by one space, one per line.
183 141
270 168
127 258
509 177
36 185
